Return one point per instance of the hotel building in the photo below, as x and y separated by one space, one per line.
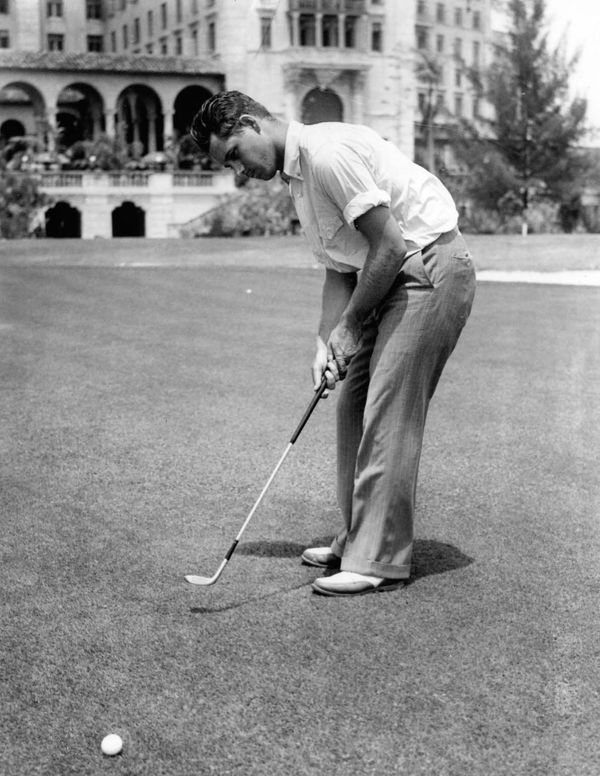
137 70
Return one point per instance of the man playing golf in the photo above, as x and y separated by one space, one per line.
399 285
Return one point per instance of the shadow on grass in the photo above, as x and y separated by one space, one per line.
245 601
429 557
278 549
262 550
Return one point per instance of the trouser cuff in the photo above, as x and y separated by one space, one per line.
374 568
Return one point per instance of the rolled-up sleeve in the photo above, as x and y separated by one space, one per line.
346 180
363 202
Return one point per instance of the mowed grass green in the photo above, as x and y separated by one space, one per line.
537 252
143 410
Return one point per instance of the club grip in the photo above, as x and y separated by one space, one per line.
309 410
231 550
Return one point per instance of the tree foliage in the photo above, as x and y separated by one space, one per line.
102 153
20 203
257 208
527 151
20 198
18 151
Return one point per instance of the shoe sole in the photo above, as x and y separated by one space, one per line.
383 588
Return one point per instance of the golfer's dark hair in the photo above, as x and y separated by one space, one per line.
220 115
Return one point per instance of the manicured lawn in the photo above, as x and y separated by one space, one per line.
543 253
143 410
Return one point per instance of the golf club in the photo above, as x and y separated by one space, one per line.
194 579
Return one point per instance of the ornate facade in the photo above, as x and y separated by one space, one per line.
71 69
137 70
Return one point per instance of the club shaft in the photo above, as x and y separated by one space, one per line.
263 491
235 542
309 411
294 437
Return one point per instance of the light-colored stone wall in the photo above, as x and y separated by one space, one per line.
460 37
167 202
25 25
376 88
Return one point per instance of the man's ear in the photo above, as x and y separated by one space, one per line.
246 120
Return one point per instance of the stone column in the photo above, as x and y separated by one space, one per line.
168 128
111 121
51 129
363 33
122 125
342 30
359 82
295 29
319 30
40 128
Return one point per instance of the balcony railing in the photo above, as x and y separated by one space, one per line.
193 179
128 179
329 6
60 179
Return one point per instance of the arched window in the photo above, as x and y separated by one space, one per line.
11 128
63 220
128 220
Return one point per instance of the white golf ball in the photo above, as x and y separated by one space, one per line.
111 744
248 290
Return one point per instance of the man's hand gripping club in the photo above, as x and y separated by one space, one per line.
349 300
332 358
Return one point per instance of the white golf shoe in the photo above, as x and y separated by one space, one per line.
322 557
349 583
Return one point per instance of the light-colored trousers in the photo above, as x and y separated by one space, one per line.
383 403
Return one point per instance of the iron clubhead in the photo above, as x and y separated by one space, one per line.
194 579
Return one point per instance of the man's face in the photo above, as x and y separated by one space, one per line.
248 151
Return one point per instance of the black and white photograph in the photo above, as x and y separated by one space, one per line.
300 387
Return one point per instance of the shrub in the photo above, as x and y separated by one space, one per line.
20 203
590 216
257 208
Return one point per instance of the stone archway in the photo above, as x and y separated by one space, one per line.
63 220
22 101
140 119
10 128
128 220
186 105
321 105
79 114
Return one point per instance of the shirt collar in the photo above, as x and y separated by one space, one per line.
291 160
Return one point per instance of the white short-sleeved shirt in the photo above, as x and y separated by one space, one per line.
337 172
